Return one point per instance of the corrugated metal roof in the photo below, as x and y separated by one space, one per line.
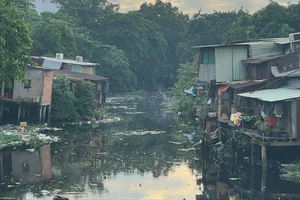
74 62
264 49
273 95
292 73
243 84
248 42
76 76
52 64
259 60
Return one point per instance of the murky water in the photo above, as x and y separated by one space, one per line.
138 151
134 153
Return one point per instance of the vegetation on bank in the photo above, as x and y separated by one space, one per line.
68 106
291 172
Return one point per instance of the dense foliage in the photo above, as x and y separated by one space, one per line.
68 105
15 43
84 98
63 108
143 49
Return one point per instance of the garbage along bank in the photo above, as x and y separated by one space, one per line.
12 136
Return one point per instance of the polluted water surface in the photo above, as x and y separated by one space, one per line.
130 157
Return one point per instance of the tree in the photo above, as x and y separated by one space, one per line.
240 29
293 16
27 8
270 21
144 44
15 43
186 104
115 64
63 108
171 22
84 98
88 13
52 35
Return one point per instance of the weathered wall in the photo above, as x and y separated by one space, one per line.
263 49
207 72
37 78
88 70
47 87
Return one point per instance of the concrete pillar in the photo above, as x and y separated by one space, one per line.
19 114
40 116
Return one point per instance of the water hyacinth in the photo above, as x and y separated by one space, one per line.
291 172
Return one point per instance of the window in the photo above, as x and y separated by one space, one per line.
77 68
27 84
25 167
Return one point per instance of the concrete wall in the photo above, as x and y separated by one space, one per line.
88 70
47 87
37 79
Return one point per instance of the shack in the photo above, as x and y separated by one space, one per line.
31 96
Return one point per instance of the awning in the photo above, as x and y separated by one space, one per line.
52 64
260 60
272 95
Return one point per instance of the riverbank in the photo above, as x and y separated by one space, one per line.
13 136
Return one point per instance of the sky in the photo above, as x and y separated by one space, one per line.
186 6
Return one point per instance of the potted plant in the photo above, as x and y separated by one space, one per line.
262 128
278 131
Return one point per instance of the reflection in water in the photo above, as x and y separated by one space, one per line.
104 163
249 182
27 166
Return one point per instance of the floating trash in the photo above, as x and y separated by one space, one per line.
45 192
140 133
175 142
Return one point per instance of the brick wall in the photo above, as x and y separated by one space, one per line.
47 89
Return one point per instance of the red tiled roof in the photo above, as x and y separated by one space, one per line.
74 76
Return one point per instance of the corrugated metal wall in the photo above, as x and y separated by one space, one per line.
228 63
239 68
263 49
207 73
223 64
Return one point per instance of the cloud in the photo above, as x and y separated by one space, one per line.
206 6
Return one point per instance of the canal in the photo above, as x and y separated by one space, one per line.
139 150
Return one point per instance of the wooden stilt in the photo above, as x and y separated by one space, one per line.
263 182
219 132
44 113
252 153
264 157
19 114
40 117
2 89
1 111
49 115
